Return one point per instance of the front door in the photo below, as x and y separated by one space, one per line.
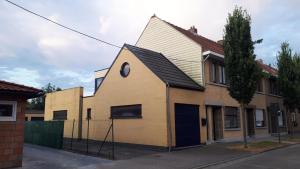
187 125
250 122
217 123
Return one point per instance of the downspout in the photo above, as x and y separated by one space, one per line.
203 69
169 117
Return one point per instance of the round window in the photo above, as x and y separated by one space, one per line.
125 69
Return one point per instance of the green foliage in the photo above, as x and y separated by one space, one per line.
39 102
289 76
242 70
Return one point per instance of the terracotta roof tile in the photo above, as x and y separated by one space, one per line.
17 88
206 44
268 69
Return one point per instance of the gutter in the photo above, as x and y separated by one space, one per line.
168 117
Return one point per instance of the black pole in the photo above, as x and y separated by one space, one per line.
87 137
113 139
279 139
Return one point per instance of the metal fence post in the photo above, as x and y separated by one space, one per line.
113 139
87 137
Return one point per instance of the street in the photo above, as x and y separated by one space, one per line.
38 157
285 158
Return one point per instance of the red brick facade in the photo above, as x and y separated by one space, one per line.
12 135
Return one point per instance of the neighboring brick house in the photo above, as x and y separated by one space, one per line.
203 60
13 100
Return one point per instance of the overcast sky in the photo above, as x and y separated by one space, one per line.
34 52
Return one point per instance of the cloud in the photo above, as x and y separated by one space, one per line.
52 42
104 24
54 54
21 76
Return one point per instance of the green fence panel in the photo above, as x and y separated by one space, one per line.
45 133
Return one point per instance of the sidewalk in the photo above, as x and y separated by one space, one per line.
188 158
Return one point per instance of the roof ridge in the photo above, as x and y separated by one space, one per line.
193 34
166 60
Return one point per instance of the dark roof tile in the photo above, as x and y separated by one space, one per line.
163 68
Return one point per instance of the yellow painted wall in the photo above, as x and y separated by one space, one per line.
140 87
88 102
217 94
187 97
70 100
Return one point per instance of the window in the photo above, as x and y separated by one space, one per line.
259 118
222 74
89 113
125 69
232 118
224 77
259 87
60 115
213 72
8 110
126 112
98 81
217 73
273 87
280 118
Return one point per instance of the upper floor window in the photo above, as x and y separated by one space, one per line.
98 81
259 87
217 73
273 87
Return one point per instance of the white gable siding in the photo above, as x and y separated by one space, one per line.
182 51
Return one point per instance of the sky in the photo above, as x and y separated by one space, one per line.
35 52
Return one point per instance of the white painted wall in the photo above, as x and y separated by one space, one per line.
182 51
101 73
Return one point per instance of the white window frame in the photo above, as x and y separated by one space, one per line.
14 111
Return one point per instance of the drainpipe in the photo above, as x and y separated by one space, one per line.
203 68
169 117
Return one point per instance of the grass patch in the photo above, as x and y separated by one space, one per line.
295 139
257 147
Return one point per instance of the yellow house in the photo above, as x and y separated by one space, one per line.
169 91
66 105
203 60
151 101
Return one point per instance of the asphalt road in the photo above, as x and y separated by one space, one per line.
286 158
37 157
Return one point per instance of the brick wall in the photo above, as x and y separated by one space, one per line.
12 137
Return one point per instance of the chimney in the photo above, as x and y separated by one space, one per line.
193 29
260 61
220 42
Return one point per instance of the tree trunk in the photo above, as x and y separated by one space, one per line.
244 124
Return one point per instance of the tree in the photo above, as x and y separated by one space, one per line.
39 102
242 71
289 77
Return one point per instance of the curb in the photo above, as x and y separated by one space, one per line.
235 159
